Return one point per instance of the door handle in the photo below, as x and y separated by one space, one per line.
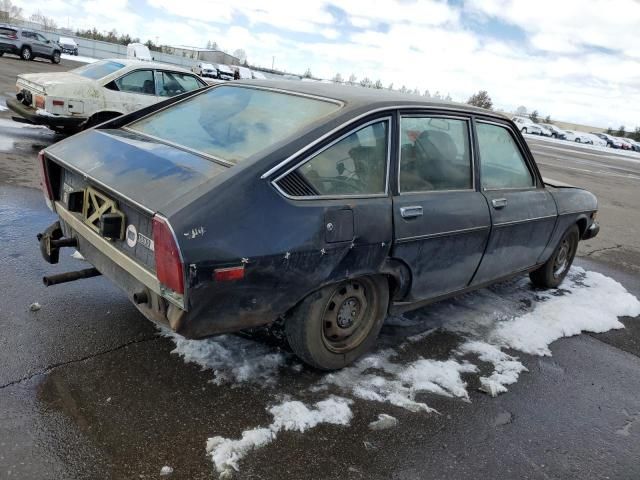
499 202
411 212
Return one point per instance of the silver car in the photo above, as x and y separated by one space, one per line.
27 44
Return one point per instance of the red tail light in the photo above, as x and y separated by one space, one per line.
168 259
13 36
45 185
229 274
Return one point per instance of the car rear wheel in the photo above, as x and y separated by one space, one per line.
552 273
335 325
578 140
56 57
25 53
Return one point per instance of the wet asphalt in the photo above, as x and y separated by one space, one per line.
89 390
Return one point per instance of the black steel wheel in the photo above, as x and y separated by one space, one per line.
56 57
553 272
335 325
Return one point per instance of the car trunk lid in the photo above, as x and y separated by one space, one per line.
143 171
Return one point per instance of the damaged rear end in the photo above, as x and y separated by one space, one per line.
109 189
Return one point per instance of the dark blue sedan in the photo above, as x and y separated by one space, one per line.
319 206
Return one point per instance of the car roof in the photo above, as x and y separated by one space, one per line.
355 97
132 62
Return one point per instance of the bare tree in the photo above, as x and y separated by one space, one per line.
378 85
352 79
241 55
427 94
534 116
307 73
9 13
46 22
521 110
481 99
366 82
621 131
337 78
547 119
390 87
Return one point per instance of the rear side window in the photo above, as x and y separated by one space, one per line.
140 81
233 123
501 163
354 165
99 69
434 154
174 83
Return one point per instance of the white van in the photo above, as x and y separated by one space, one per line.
138 51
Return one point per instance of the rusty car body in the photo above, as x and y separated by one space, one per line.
324 206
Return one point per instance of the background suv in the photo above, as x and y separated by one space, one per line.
27 44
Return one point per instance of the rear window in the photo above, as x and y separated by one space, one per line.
234 123
7 31
99 69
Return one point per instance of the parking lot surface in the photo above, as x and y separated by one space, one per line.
90 389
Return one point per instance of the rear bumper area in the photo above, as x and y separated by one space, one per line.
141 285
32 116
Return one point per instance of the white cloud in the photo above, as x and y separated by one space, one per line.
426 44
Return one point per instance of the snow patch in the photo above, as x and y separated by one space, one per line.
595 308
376 378
78 58
3 108
289 415
77 255
166 470
232 358
34 307
383 422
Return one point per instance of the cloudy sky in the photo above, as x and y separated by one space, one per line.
577 60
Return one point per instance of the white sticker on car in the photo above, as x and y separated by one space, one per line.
132 235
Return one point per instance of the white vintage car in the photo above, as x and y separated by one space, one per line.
94 93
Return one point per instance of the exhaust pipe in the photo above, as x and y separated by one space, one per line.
140 297
70 276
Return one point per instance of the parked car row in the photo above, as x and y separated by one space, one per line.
27 44
225 72
526 125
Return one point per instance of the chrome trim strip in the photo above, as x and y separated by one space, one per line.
140 273
577 212
515 222
86 176
391 109
224 163
467 120
442 234
388 119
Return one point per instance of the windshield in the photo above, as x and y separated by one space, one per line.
99 69
233 123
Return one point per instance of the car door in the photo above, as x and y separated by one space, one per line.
132 91
523 213
44 46
441 220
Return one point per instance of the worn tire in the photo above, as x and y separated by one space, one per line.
552 273
306 325
55 58
26 54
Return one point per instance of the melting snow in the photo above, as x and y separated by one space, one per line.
166 470
232 358
507 316
289 415
383 422
77 255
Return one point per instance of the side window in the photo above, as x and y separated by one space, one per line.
355 165
501 163
140 81
435 154
174 83
29 35
40 38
